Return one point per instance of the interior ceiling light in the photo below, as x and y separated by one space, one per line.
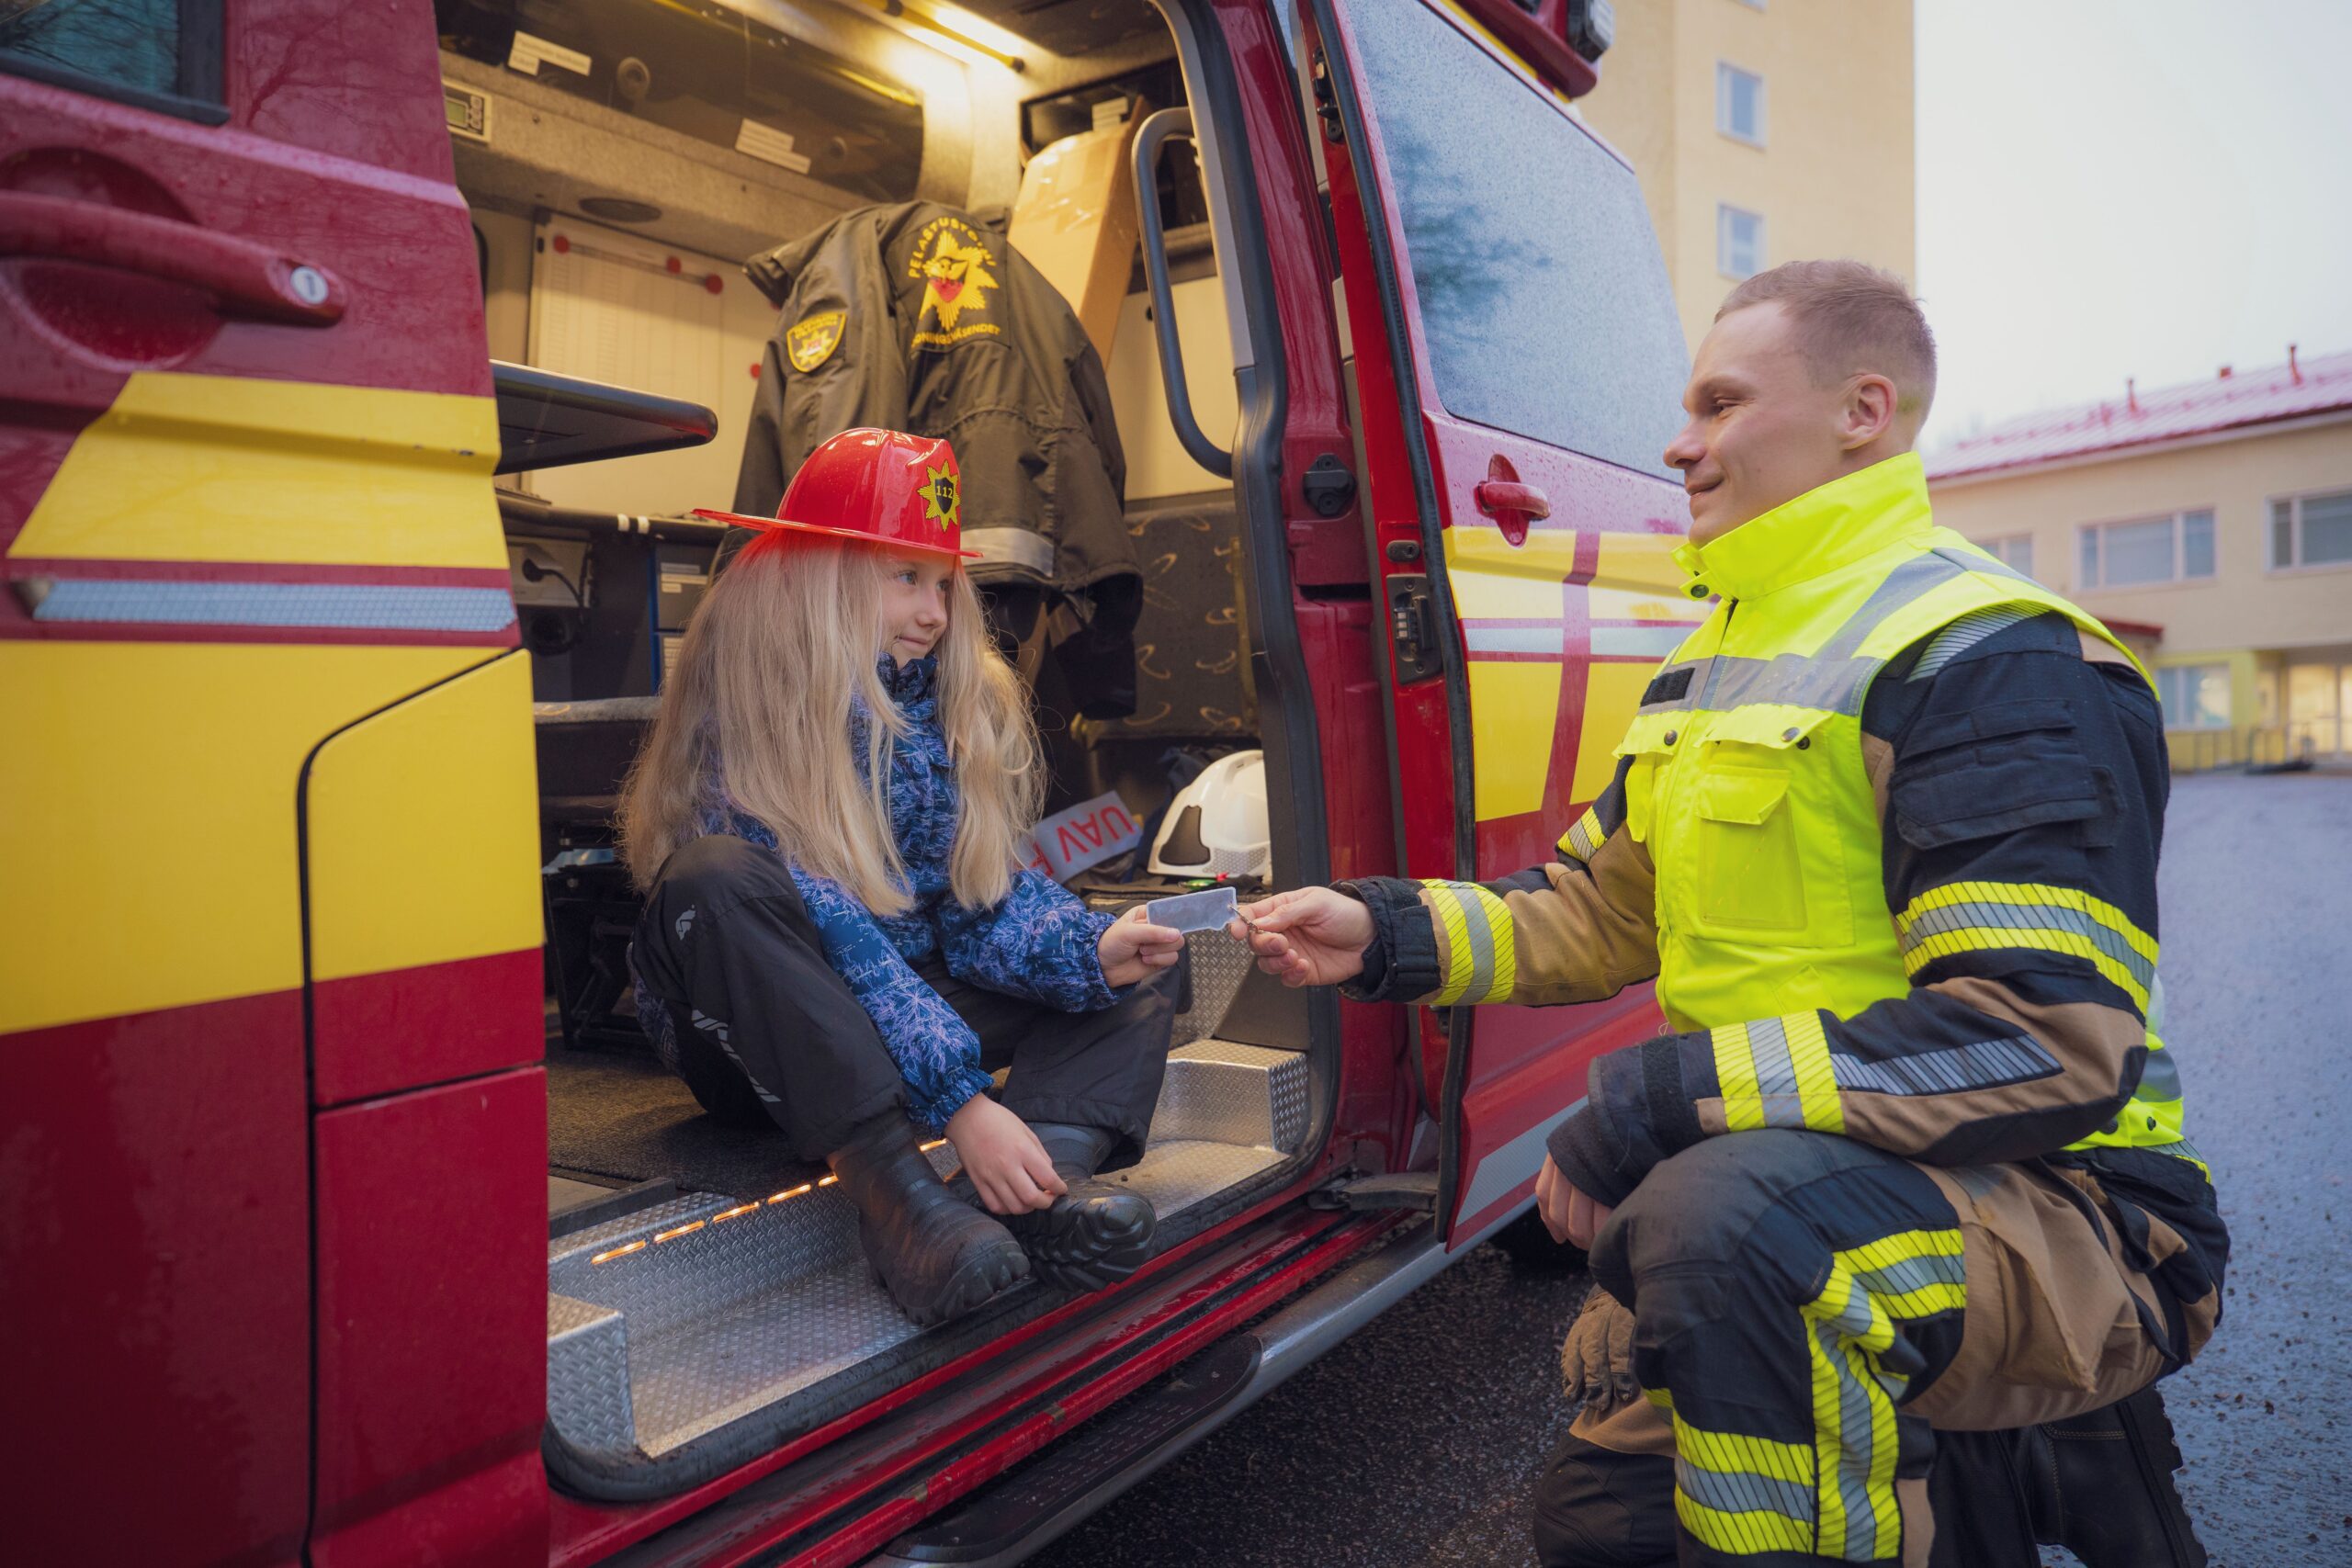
970 32
619 209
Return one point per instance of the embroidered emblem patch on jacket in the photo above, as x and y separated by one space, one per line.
955 265
811 341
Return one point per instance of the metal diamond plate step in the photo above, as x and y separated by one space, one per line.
675 1321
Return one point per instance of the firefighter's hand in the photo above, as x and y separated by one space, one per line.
1134 949
1310 936
1009 1168
1597 1357
1573 1217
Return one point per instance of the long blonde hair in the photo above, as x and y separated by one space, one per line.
787 638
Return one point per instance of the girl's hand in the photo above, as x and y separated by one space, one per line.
1135 950
1007 1164
1310 936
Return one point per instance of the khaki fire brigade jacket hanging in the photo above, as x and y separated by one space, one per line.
918 317
1884 829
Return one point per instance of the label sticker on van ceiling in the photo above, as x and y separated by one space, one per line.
529 53
811 339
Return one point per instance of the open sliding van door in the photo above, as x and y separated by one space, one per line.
1520 367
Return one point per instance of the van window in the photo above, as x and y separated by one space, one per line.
1542 294
136 49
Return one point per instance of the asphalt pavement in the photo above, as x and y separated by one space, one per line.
1414 1444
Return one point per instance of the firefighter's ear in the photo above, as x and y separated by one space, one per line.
1869 411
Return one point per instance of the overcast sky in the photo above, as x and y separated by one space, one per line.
2128 187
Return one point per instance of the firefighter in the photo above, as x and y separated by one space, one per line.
1911 1154
837 940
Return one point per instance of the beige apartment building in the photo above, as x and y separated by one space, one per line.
2209 525
1764 131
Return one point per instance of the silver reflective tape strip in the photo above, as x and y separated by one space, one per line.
1776 1075
2024 918
1856 1444
1481 933
2160 1079
1647 642
352 605
1723 683
1514 639
1740 1492
1990 566
1983 1063
1016 547
1909 1274
1921 574
1966 633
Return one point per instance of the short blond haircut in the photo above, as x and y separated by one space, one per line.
1851 319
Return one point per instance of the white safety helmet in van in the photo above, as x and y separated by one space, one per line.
1217 824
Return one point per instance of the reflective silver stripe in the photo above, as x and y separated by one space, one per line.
1016 547
1650 642
1776 1075
342 606
1722 682
1481 935
1990 566
1585 836
2024 918
1909 1274
2160 1079
1967 632
1743 1492
1910 580
1514 639
1983 1063
1855 1440
2183 1149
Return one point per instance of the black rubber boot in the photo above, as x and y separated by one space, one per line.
937 1257
1095 1234
2110 1497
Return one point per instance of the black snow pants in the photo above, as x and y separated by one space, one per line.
755 962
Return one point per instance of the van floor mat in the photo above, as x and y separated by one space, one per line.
635 1121
692 1334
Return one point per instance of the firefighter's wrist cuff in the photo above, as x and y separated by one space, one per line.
1402 961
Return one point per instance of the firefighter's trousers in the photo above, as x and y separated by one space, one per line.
1807 1311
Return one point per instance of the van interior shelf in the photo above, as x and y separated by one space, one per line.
545 420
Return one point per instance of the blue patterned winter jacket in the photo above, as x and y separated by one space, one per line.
1037 942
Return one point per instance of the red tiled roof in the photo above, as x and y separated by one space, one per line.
2248 398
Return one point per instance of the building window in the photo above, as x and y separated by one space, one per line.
2310 530
2196 696
2013 552
1739 104
1739 243
2179 548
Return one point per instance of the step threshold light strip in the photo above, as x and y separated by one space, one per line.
736 1213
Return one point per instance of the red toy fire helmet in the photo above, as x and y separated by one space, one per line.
876 487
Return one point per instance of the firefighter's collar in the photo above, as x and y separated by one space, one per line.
1827 527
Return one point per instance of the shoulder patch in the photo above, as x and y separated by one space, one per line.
811 341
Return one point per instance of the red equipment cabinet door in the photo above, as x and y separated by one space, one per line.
1520 367
246 443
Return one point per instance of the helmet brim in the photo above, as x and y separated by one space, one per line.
854 535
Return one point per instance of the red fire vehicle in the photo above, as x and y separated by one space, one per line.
325 636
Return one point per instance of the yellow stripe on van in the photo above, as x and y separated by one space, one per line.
147 814
229 468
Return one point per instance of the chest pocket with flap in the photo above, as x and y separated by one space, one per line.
1761 847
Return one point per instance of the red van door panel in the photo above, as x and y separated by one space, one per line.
1519 363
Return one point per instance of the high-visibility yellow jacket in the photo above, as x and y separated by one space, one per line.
1884 829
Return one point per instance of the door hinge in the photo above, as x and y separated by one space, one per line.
1326 101
1328 487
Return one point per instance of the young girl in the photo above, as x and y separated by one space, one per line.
836 936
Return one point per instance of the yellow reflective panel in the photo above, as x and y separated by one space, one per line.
1514 708
147 813
1492 577
228 469
1612 693
423 829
